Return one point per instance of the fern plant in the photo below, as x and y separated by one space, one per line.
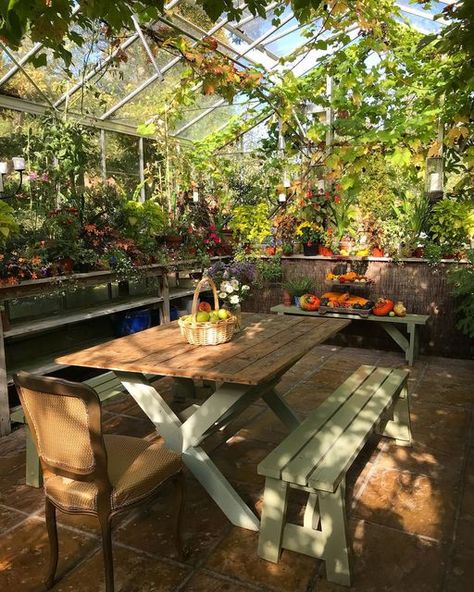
461 279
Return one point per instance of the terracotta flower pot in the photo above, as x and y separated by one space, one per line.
324 251
270 251
286 298
66 265
419 252
377 252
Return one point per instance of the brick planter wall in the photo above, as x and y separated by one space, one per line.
422 288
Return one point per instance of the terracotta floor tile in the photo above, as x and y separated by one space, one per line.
24 555
386 560
461 574
459 394
421 460
307 397
405 501
134 572
264 428
14 492
205 582
9 518
465 534
237 557
204 525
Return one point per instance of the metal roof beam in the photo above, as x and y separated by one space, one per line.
26 58
240 54
26 106
105 62
152 79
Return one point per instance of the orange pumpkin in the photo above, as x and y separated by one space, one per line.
383 306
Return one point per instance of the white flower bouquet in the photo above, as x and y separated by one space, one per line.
232 292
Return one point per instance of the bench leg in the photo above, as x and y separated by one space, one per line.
334 528
34 474
311 512
275 499
399 427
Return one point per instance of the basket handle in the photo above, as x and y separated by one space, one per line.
197 292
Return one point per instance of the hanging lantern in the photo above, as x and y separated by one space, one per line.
195 195
434 180
282 197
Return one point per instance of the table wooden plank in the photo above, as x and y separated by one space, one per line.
265 347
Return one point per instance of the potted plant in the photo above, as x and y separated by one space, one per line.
327 245
309 233
298 286
287 249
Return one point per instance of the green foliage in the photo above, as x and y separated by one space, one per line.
251 222
299 285
8 224
144 222
269 271
452 224
461 279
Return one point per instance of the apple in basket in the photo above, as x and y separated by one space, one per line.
204 307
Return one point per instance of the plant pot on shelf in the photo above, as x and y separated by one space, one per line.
270 251
310 249
345 244
286 298
419 252
324 251
173 241
377 252
228 236
287 250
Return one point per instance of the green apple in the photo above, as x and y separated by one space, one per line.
202 317
214 316
223 314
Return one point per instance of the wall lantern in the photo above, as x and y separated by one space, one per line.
282 197
18 166
434 179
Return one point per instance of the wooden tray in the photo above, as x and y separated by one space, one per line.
343 310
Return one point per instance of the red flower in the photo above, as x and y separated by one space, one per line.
212 227
337 199
309 194
309 244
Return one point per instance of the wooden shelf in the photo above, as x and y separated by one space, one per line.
47 364
77 316
181 292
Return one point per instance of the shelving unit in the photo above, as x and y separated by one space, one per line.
19 332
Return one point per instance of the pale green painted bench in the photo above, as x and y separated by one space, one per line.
409 346
315 458
106 385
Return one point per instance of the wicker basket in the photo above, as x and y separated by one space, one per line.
207 333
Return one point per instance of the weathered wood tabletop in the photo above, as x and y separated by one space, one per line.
266 346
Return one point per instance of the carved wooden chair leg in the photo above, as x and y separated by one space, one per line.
50 514
180 488
106 528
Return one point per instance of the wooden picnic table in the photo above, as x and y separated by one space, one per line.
244 369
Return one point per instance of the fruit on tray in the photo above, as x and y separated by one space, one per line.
383 306
204 306
345 300
309 302
399 309
349 277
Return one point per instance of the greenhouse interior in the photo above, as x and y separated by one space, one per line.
237 296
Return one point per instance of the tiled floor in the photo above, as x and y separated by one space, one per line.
411 511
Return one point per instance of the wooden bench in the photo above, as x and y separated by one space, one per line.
315 458
409 345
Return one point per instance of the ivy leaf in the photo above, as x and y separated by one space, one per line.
39 60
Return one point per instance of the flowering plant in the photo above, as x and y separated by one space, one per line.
243 271
212 240
308 232
232 292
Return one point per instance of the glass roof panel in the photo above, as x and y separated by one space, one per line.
147 103
110 85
